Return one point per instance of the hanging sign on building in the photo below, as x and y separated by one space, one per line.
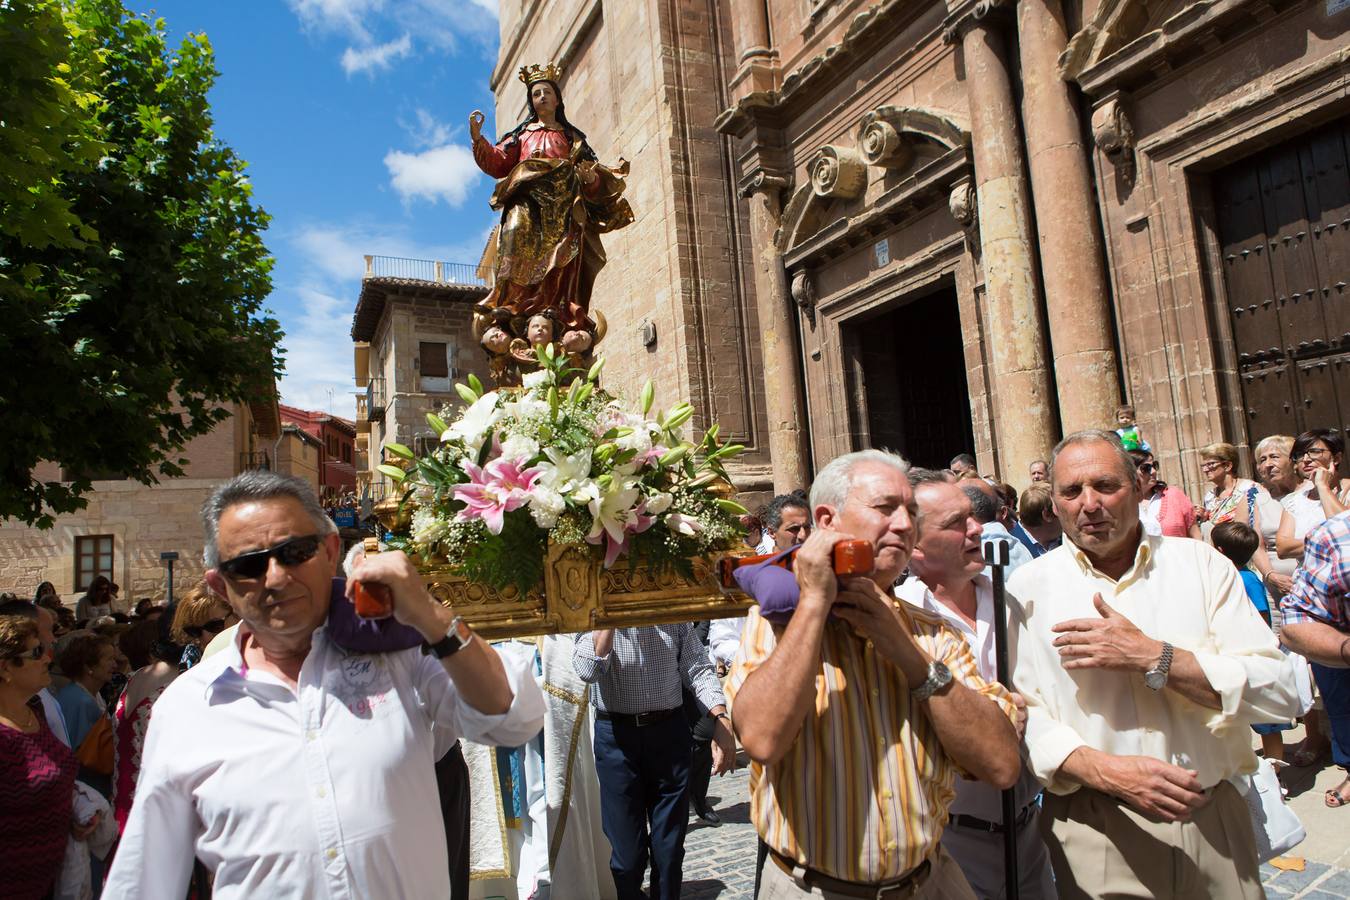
882 248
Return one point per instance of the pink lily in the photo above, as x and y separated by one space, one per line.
616 517
494 490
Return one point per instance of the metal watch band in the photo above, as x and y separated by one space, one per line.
939 676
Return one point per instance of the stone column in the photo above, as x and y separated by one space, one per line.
784 408
1024 416
756 60
1076 294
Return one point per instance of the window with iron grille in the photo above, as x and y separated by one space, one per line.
93 557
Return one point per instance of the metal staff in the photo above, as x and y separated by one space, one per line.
996 555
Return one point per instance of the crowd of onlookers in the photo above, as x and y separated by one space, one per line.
1092 702
87 679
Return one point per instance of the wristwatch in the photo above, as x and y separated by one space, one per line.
939 676
456 639
1156 678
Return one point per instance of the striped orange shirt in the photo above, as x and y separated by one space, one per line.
862 794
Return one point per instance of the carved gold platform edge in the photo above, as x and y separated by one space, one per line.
579 595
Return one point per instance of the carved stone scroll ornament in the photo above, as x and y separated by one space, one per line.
838 172
1111 130
804 293
962 204
882 145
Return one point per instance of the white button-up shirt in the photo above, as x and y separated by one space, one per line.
974 798
325 791
1180 591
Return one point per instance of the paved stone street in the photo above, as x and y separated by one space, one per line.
719 862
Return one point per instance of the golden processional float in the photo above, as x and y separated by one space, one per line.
549 505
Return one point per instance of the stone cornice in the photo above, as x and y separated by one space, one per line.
926 188
818 75
1197 29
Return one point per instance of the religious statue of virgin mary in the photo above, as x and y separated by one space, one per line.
556 199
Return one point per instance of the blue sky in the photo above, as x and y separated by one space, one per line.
352 115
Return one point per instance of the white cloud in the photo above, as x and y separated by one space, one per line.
370 24
341 16
441 173
426 131
378 56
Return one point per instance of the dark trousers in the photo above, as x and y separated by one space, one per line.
644 774
701 726
452 782
1335 687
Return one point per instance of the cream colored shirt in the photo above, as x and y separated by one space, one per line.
1178 590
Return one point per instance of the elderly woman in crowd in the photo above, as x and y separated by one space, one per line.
1230 498
36 769
1281 480
1163 509
88 660
1321 494
198 619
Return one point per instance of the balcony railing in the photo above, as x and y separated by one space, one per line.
430 270
375 400
258 459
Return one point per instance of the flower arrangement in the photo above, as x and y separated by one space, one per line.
559 460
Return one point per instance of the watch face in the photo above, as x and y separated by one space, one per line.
1155 680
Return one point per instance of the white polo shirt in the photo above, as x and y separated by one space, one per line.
325 791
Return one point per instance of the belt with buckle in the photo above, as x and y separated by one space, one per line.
638 719
905 886
977 824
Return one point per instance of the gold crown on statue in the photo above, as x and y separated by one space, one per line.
530 74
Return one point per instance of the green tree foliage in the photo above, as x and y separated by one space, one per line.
132 268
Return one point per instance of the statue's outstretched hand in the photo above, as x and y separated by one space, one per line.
476 119
587 172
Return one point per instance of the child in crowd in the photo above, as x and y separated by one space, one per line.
1129 431
1238 541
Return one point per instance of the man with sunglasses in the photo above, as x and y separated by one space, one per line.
288 765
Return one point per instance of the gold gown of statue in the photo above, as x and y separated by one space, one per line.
548 245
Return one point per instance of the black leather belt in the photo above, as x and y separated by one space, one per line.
905 886
638 719
975 823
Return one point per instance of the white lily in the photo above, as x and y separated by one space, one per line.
564 474
474 423
659 502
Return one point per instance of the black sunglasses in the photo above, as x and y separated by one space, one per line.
1148 467
214 626
289 553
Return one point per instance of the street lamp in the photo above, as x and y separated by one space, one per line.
168 557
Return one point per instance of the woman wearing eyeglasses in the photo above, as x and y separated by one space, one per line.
36 769
1316 455
1163 509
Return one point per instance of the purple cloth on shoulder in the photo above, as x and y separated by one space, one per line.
351 632
773 587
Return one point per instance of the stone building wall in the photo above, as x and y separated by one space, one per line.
144 520
1053 174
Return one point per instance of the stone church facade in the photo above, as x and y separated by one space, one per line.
967 226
